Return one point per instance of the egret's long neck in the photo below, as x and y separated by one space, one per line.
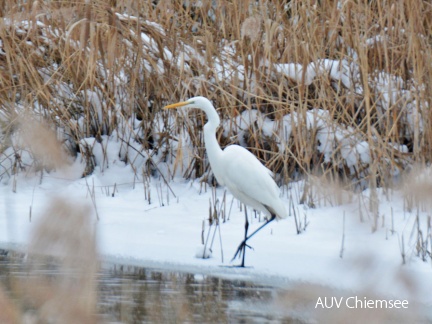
210 141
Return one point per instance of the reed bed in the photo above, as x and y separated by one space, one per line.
342 87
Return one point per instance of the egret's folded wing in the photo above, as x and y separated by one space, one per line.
248 175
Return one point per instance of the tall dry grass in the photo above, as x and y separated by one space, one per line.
99 71
63 241
94 69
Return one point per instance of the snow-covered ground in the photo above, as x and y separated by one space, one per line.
167 232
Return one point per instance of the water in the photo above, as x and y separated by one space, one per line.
129 294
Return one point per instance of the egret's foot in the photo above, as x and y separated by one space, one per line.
241 249
236 266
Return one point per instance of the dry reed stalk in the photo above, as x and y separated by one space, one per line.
64 231
9 313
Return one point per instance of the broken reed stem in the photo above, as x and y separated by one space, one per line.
342 249
402 248
91 192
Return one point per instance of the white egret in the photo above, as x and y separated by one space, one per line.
239 170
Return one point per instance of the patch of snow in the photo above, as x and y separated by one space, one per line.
166 231
203 252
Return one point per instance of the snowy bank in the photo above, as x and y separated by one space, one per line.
167 231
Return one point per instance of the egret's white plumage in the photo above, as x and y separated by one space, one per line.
250 181
238 169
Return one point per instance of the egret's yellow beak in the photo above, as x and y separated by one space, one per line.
176 105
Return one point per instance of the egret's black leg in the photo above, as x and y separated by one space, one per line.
242 247
245 238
